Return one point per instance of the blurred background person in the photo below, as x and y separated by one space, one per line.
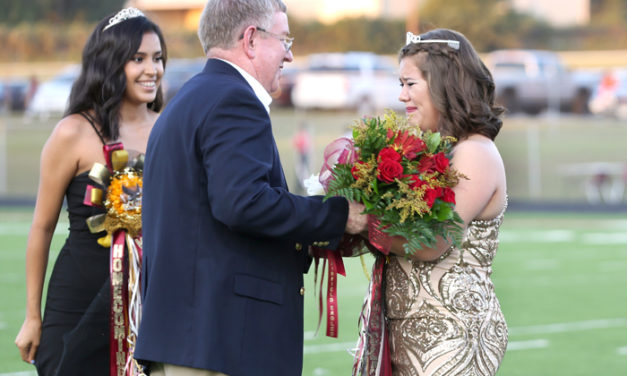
303 145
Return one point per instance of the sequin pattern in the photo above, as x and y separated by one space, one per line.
444 318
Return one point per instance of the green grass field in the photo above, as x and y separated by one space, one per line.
561 278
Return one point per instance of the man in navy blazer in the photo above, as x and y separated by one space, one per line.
225 243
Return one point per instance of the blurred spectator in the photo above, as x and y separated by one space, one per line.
605 98
302 143
33 85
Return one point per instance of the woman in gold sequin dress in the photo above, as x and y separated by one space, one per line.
442 313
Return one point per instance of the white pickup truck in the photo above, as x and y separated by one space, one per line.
362 81
533 81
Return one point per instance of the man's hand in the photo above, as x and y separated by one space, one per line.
357 222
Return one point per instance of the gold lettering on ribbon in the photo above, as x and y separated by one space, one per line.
118 333
120 361
118 251
117 279
119 329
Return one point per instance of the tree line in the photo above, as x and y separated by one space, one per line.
58 29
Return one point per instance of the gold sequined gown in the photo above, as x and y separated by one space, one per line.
443 316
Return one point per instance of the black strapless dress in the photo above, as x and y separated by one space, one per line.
75 330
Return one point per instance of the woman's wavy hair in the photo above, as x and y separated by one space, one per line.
460 85
101 84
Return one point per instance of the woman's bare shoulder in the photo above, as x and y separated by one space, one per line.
71 128
477 148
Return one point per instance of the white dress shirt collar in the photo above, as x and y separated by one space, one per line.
259 90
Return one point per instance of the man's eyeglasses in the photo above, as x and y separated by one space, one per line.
287 41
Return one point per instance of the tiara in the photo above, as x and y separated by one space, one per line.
123 15
411 38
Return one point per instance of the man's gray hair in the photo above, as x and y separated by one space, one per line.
223 21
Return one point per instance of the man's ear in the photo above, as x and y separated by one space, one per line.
249 42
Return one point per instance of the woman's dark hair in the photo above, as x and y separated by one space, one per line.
101 84
460 85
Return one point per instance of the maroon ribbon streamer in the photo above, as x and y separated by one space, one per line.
119 304
376 359
336 266
108 149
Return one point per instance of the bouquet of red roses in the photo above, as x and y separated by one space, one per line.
403 177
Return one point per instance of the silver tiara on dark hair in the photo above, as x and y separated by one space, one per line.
123 15
411 38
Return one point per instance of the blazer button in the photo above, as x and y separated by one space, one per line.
298 246
302 291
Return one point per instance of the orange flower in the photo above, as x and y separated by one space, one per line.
125 194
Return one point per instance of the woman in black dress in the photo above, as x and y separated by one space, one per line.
116 98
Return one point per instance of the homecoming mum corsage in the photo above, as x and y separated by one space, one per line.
119 191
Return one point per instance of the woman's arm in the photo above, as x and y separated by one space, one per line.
57 168
478 159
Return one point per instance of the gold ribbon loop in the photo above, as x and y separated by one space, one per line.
119 158
100 174
96 223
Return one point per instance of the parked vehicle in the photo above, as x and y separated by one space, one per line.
610 95
283 96
357 80
52 96
533 81
13 95
177 72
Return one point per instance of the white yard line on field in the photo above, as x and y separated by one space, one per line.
23 373
569 326
22 228
563 236
622 350
330 347
605 238
530 344
550 236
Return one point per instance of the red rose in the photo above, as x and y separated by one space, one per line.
431 194
448 195
389 170
389 154
415 183
441 162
